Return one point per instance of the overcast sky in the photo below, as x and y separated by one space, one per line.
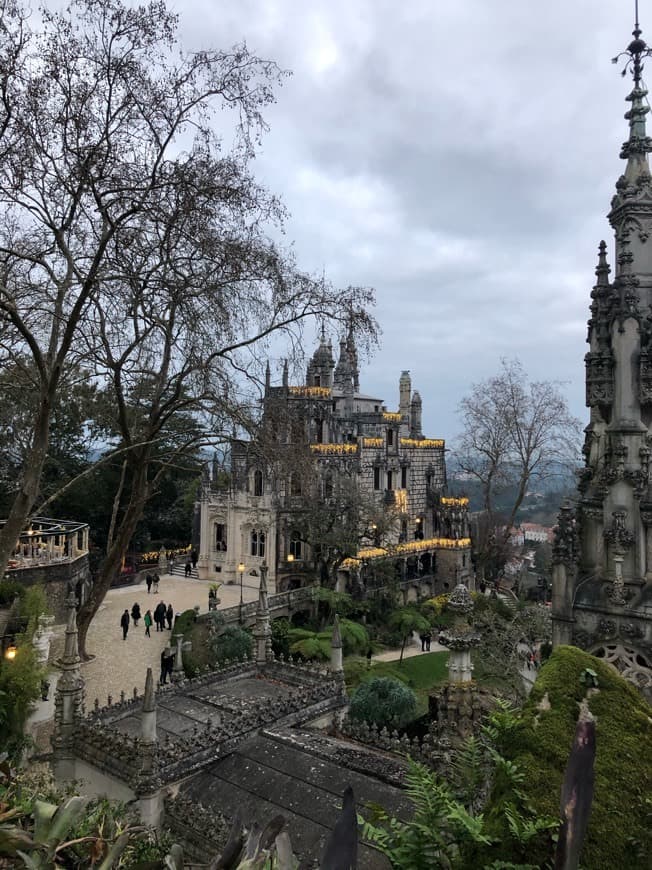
458 157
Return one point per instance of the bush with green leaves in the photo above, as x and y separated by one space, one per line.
453 825
232 644
317 644
20 677
383 701
281 637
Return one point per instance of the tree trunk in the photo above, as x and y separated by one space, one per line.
29 486
400 661
125 530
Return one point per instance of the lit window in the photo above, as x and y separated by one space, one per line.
295 547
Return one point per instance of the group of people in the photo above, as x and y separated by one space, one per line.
162 613
426 640
152 581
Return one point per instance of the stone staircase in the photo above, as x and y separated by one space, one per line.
179 570
508 599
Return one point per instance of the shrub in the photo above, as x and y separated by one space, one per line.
281 637
383 701
233 643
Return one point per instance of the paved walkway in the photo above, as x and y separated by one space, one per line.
122 665
412 648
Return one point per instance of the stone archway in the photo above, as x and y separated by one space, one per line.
632 664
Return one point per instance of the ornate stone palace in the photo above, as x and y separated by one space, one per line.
602 575
314 436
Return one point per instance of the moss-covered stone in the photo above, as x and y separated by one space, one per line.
541 745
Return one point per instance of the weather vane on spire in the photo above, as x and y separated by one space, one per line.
635 52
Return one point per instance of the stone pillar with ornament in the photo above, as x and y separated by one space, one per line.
68 701
262 628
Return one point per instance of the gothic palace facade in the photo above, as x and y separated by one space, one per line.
314 436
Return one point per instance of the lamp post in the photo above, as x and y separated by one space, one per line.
290 558
241 569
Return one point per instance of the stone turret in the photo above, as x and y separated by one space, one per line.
337 666
68 701
404 391
416 405
602 559
458 708
262 629
320 368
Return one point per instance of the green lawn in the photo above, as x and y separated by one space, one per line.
421 673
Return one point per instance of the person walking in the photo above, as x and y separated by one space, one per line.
428 639
422 638
169 615
155 581
148 623
195 559
159 616
188 568
148 580
135 613
124 622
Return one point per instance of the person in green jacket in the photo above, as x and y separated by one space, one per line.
148 623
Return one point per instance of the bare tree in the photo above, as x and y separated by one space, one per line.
128 238
514 431
94 107
185 306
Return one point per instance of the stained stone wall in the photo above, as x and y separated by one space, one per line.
57 580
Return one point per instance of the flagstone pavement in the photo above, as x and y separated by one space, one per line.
120 665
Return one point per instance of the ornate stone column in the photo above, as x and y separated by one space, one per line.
263 629
68 701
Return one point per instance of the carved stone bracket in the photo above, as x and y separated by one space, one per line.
599 378
617 535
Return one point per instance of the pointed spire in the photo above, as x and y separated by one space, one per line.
268 377
639 144
602 270
70 658
285 373
263 607
148 719
263 629
337 664
149 699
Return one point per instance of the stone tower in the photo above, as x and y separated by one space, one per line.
602 562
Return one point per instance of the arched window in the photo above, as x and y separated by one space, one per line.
258 482
257 543
295 546
220 537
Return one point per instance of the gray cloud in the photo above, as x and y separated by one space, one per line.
458 157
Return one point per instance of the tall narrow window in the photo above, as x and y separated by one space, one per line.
220 537
295 547
376 478
404 477
390 480
317 381
258 482
261 544
390 437
295 484
254 542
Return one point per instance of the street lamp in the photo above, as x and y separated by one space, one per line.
241 569
290 557
10 652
